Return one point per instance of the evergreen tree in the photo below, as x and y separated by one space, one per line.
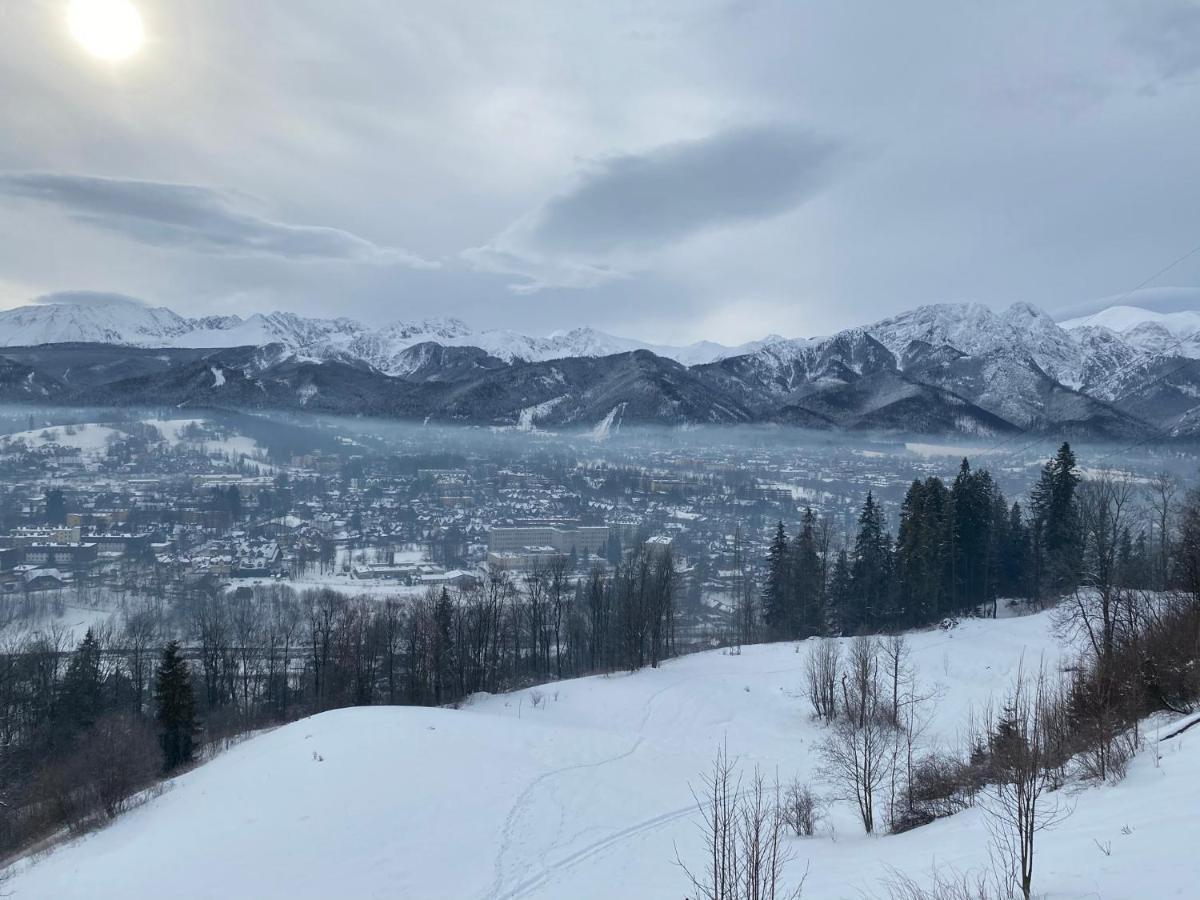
612 550
443 649
56 507
871 571
1057 536
175 708
973 495
1014 557
81 698
841 592
776 596
922 550
807 580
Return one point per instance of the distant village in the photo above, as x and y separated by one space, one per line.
171 505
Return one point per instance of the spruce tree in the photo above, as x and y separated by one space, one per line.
1057 536
871 571
807 592
81 694
776 605
56 507
922 550
973 495
1014 558
176 708
841 592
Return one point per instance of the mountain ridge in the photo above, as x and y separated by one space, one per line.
937 368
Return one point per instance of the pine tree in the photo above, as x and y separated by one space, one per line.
841 592
81 695
873 605
1014 558
176 708
56 507
776 599
1057 536
922 552
807 590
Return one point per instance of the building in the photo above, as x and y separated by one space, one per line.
50 534
525 558
658 543
583 539
61 555
133 546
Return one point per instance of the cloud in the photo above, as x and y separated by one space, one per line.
623 208
1167 33
194 218
89 298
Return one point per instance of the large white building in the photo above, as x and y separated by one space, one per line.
522 546
563 538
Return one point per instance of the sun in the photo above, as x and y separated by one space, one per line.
108 29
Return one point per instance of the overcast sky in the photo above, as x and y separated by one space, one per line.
669 171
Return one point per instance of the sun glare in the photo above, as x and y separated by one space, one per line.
107 29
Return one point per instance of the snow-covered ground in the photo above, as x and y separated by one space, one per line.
89 439
92 439
174 431
581 790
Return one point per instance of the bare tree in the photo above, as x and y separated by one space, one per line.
821 677
1020 803
802 809
895 651
856 760
1162 490
1094 610
140 637
744 832
860 682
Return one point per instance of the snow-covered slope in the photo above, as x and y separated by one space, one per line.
585 794
1021 331
1175 334
106 319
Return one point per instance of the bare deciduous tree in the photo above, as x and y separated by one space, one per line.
1020 803
802 809
1162 490
821 677
856 760
744 833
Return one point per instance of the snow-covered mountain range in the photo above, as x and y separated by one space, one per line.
117 320
1120 373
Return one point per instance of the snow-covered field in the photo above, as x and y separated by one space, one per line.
89 439
581 790
93 439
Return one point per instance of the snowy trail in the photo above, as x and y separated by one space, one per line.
543 878
522 807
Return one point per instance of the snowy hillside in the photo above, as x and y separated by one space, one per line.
581 789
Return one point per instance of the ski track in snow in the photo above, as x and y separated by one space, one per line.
526 887
521 805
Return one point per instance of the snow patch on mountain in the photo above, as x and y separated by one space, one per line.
1159 334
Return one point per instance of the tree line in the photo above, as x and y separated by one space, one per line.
959 548
85 729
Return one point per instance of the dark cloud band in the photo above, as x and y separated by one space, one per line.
194 218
